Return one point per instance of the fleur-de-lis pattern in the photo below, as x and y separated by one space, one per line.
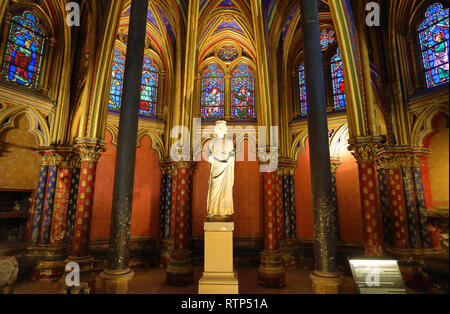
270 221
385 209
49 204
72 208
39 205
420 202
410 207
59 220
398 208
289 207
162 205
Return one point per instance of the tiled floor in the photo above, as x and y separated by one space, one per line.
153 281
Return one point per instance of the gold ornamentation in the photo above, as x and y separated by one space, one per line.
89 153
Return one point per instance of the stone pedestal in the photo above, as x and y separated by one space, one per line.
325 283
114 282
219 276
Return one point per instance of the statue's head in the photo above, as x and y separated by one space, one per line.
221 129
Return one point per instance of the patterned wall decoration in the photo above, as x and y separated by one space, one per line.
162 204
439 169
19 160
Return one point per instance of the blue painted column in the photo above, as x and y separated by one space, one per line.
420 203
384 204
410 207
72 208
39 203
53 161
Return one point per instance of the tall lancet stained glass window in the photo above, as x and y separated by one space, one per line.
115 93
434 40
243 93
149 85
337 75
149 88
213 93
24 49
302 109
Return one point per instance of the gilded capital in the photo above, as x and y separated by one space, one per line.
364 152
89 153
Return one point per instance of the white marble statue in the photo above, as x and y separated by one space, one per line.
221 179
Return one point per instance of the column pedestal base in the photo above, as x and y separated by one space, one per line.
167 247
179 271
271 273
114 281
219 283
325 283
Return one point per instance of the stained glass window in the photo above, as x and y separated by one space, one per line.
149 88
115 93
337 75
303 106
213 93
149 85
24 50
243 91
434 39
327 37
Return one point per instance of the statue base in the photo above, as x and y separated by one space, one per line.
219 219
219 276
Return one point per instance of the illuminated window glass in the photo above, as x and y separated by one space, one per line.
327 37
213 96
243 91
149 88
24 49
337 75
302 109
149 85
434 39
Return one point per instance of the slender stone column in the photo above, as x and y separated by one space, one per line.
179 270
325 277
39 202
166 214
364 152
72 207
117 276
88 158
63 183
271 272
420 201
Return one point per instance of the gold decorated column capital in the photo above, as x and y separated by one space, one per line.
89 153
364 149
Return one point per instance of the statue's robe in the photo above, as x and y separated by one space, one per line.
221 178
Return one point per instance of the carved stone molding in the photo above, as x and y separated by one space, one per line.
89 153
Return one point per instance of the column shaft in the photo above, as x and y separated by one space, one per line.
39 204
324 238
126 146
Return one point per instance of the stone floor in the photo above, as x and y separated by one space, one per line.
153 281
